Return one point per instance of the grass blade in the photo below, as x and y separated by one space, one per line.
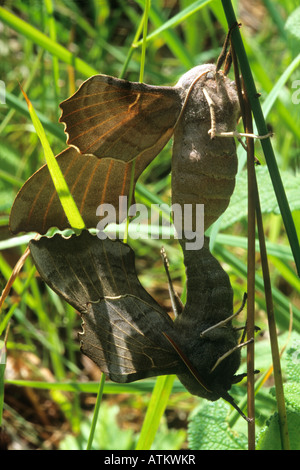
55 129
262 130
155 410
179 18
96 412
60 184
45 42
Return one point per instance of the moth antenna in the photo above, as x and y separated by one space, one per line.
187 362
223 322
177 305
238 346
230 400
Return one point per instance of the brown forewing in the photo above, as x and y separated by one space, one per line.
114 121
92 181
112 118
122 324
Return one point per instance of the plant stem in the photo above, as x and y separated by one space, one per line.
250 281
254 208
283 425
262 130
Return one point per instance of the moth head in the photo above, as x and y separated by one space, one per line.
199 380
223 94
189 77
204 381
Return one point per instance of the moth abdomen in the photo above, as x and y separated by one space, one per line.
204 169
209 291
209 302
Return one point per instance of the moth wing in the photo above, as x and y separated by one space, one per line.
84 268
92 181
124 337
112 118
123 326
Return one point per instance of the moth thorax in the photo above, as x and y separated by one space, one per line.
207 384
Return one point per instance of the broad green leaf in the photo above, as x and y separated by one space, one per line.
293 360
208 429
238 208
292 24
269 437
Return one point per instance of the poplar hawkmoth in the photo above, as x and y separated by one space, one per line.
110 123
126 332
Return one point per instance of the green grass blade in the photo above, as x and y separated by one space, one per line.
96 412
178 18
45 42
262 130
53 36
140 387
14 102
60 184
155 410
2 371
273 95
174 43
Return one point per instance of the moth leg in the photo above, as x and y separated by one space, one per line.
177 305
223 322
239 346
211 105
237 378
244 328
239 135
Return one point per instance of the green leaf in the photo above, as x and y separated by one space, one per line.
108 435
238 208
292 395
292 24
292 369
208 429
269 437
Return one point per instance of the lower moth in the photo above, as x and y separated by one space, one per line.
126 332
